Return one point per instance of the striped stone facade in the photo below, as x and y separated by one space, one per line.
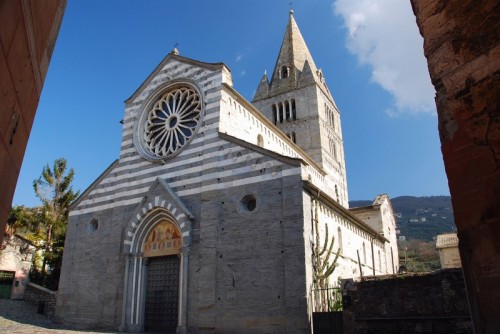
242 198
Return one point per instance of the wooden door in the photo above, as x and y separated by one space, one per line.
162 294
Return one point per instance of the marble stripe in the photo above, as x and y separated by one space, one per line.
222 185
204 135
215 176
155 169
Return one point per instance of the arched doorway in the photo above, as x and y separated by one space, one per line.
156 270
161 249
162 294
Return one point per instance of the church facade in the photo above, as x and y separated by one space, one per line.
209 219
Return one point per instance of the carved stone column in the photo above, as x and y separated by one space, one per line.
183 292
135 302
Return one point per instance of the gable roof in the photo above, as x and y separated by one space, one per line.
159 201
287 160
174 55
93 185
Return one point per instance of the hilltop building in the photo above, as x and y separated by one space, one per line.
447 246
208 220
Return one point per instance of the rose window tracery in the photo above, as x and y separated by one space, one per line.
172 121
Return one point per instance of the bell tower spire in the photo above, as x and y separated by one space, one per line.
292 58
297 100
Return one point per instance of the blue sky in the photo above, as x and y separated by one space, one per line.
369 50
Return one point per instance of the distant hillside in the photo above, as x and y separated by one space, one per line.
420 217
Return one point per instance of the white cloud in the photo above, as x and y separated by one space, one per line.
383 34
238 56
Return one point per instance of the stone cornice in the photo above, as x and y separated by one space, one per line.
327 200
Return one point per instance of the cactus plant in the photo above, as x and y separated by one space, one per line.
322 251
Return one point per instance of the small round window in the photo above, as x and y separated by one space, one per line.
92 225
248 203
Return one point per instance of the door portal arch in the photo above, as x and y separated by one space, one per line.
156 268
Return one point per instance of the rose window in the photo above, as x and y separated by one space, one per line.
172 121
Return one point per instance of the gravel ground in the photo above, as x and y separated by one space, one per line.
19 317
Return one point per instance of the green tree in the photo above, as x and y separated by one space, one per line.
54 190
15 220
25 222
419 255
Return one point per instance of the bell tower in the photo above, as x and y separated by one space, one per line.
298 101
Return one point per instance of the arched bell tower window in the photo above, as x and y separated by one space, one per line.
284 111
275 114
287 110
285 72
280 112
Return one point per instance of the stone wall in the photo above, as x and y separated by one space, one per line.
36 294
462 46
242 262
450 257
420 303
